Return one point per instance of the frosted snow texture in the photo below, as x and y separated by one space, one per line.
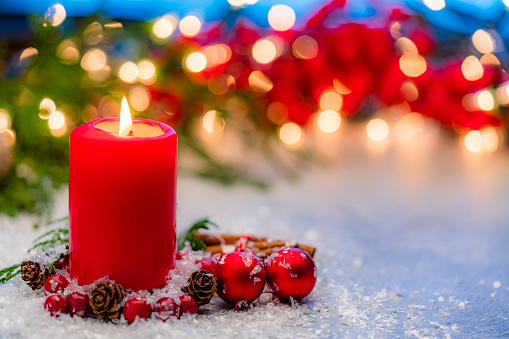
410 244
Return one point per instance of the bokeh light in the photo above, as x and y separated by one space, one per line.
340 87
57 124
502 94
305 47
434 5
128 72
473 141
219 84
264 51
5 120
281 17
472 68
490 139
484 100
8 137
213 124
259 82
412 65
164 26
190 26
146 72
483 41
28 56
277 113
331 100
217 54
377 130
47 108
55 14
67 52
291 134
406 46
409 90
195 62
139 98
94 60
490 59
409 126
328 121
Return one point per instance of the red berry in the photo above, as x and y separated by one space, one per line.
208 265
62 264
77 304
165 308
239 275
178 255
291 272
137 307
188 304
55 304
55 284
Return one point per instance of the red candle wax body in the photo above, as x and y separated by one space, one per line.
122 204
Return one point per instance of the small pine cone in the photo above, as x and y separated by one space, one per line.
32 274
201 286
105 298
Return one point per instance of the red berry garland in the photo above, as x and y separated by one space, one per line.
290 273
137 307
55 304
77 304
166 307
55 284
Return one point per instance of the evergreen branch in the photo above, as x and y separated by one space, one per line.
188 236
62 255
7 273
59 236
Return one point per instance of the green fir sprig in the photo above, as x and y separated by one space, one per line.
7 273
195 243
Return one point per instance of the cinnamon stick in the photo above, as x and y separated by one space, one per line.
229 239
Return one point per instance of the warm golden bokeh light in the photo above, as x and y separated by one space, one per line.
490 59
503 94
128 72
377 130
139 98
395 30
147 72
281 17
5 120
264 51
490 139
195 62
67 52
331 100
213 122
237 3
328 121
472 68
47 108
484 100
259 82
164 26
101 74
190 26
277 113
219 84
434 5
340 87
473 141
412 65
93 33
409 91
27 56
217 54
406 46
55 14
483 41
57 124
305 47
409 126
8 137
291 134
94 60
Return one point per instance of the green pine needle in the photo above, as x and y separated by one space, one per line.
7 273
195 243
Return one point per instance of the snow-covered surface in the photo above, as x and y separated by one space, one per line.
412 242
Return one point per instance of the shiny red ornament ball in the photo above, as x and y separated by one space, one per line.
166 307
208 265
291 272
137 307
188 304
239 275
77 304
62 264
55 304
55 284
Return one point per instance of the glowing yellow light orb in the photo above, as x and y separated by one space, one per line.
213 122
281 17
264 51
163 27
485 100
5 120
377 130
55 14
190 26
47 108
435 5
305 47
139 98
128 72
472 68
330 100
483 41
412 65
473 141
259 82
146 70
196 62
329 121
291 134
94 60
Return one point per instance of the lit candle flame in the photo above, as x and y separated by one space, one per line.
126 122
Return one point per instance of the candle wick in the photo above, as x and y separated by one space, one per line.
130 134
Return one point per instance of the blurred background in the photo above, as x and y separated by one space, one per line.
287 82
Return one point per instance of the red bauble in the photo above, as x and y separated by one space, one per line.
55 304
178 255
208 265
188 304
55 284
77 304
62 264
137 307
165 308
290 273
239 275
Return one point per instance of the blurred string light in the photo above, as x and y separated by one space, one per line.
331 100
139 98
405 45
277 113
473 141
490 59
483 41
281 17
57 124
240 3
67 52
486 140
471 68
94 60
409 126
164 26
502 94
55 14
409 90
147 72
213 125
5 120
259 82
377 130
195 62
8 137
28 56
434 5
411 63
264 51
219 84
113 25
217 54
340 87
128 72
93 34
47 108
328 121
305 47
484 100
291 134
190 26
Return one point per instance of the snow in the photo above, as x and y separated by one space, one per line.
404 239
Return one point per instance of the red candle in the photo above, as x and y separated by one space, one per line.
122 202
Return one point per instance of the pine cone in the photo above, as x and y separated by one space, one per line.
201 286
32 274
105 298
